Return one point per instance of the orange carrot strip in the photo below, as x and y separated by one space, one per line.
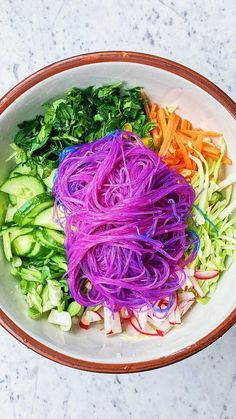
184 152
161 119
204 133
197 144
225 159
211 148
184 124
189 125
171 128
184 138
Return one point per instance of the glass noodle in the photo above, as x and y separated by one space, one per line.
125 217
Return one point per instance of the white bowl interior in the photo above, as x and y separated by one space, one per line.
193 103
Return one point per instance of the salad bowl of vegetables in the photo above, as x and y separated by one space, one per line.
117 212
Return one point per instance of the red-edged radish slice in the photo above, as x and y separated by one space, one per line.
186 296
197 287
187 284
163 326
129 329
124 313
133 321
204 275
141 317
112 323
174 316
184 306
186 300
189 272
88 317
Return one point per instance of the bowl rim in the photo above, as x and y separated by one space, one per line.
138 58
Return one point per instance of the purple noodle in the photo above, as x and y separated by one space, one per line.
126 222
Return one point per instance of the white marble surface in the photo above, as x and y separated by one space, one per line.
201 35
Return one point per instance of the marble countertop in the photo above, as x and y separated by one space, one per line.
202 36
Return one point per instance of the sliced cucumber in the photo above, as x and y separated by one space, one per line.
10 213
12 199
54 235
34 206
45 219
7 246
50 179
3 207
23 169
48 244
23 245
16 232
24 186
38 251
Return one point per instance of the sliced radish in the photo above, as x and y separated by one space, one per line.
174 316
184 306
88 317
133 321
129 329
203 275
112 324
163 326
186 296
189 272
141 316
124 313
197 287
186 300
187 284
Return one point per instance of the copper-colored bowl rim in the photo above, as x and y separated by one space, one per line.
172 67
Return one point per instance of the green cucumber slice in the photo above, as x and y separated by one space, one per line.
38 251
10 213
45 219
12 199
24 186
16 232
54 235
51 245
23 169
7 246
23 245
3 207
31 208
49 180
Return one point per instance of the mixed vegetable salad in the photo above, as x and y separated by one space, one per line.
38 221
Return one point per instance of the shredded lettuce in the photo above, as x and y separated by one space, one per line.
214 218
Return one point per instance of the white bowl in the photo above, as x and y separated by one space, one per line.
199 101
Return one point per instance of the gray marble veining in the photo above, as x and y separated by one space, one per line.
202 36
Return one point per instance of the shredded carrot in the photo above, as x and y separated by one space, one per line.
184 152
197 144
195 132
168 134
176 139
161 119
225 159
211 148
184 124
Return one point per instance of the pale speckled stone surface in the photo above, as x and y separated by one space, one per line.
198 34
